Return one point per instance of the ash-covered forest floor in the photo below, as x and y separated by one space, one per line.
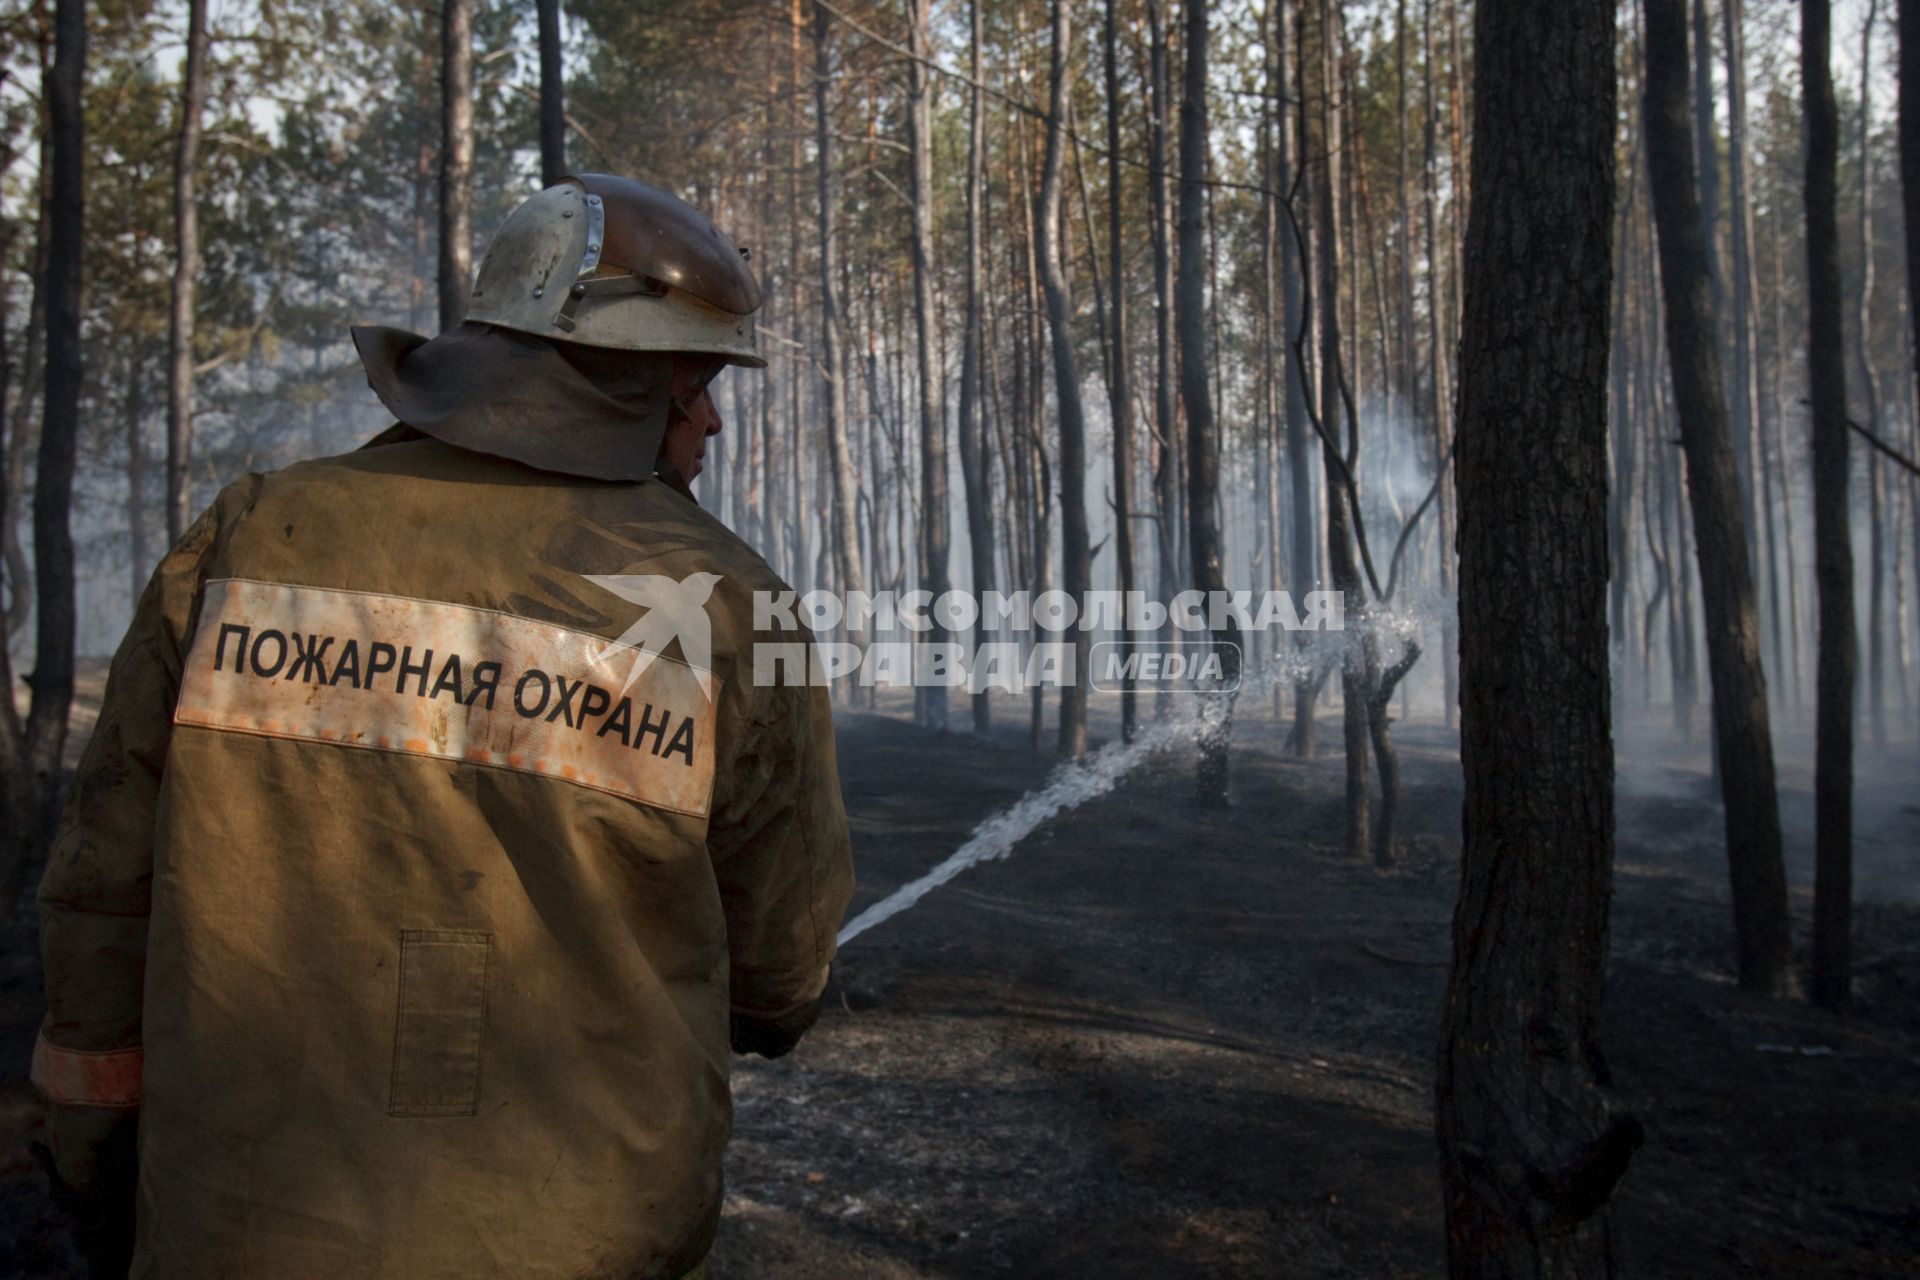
1160 1040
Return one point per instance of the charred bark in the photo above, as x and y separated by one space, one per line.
1530 1152
1832 547
1355 672
1870 394
30 755
1075 554
1294 259
1743 736
1745 382
1120 368
931 702
973 456
553 89
20 432
1203 530
1166 419
132 411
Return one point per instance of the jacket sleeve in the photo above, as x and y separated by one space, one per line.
94 896
783 859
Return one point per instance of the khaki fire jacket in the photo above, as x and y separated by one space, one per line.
432 830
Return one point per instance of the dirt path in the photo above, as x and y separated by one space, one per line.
1158 1041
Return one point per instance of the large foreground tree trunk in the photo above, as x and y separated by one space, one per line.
30 755
1832 548
1741 731
186 273
456 160
1529 1152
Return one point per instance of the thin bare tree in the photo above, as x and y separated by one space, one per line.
186 274
1203 527
456 160
553 89
1075 553
1120 366
935 520
974 471
1742 734
848 566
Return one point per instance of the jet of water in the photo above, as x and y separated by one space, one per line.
1076 782
1069 786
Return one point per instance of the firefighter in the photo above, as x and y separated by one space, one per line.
436 841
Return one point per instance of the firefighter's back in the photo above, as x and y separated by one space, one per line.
436 978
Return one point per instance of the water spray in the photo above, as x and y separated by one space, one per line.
1069 786
1074 783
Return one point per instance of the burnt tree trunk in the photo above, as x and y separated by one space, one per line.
1745 383
1832 548
186 272
973 456
1355 686
1530 1153
1120 368
1196 396
30 755
1870 393
1166 418
132 411
1075 555
1444 332
1294 259
931 702
1742 733
19 577
456 160
553 102
1909 125
847 561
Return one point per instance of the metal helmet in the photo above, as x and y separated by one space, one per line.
611 262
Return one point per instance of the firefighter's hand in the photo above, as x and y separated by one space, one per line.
99 1216
771 1037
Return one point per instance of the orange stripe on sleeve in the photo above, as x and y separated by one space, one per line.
87 1078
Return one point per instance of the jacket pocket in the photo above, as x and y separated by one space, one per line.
441 1025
